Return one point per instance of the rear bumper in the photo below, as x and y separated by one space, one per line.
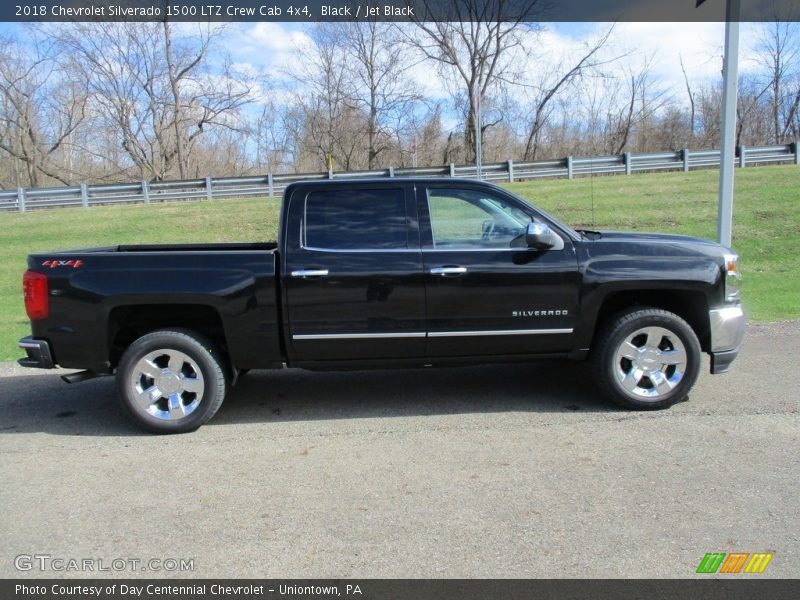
727 331
38 353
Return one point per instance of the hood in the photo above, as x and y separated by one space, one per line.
659 244
652 245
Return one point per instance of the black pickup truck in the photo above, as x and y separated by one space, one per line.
385 273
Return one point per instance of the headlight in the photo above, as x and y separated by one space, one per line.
733 279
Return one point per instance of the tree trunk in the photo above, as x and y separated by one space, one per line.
176 96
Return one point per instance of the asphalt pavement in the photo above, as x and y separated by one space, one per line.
518 470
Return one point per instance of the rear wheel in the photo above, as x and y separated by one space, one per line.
646 359
171 381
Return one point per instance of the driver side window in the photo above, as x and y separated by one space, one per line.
463 218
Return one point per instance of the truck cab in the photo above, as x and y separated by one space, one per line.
422 271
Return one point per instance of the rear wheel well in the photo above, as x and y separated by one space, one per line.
692 307
128 323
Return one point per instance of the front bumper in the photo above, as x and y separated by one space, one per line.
727 331
38 353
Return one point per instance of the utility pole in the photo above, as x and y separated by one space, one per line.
478 135
730 76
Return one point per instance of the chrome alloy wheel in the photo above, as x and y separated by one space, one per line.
167 384
650 362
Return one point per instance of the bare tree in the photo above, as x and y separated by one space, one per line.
622 122
477 48
555 80
779 56
176 76
324 81
380 87
112 101
154 88
791 128
639 100
690 94
274 137
751 120
39 112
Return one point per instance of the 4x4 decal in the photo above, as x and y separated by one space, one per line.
63 263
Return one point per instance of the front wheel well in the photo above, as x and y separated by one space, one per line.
127 324
691 306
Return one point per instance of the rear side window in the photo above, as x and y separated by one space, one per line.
356 219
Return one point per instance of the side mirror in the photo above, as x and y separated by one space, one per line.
540 237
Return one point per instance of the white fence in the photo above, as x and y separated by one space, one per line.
211 188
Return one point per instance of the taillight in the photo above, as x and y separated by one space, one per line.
34 288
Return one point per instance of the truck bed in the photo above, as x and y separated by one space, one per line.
226 289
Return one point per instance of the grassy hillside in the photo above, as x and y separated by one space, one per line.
766 220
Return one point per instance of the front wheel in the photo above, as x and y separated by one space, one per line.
646 359
171 381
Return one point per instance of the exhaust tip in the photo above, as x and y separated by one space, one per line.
79 376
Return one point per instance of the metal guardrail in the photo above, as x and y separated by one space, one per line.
211 188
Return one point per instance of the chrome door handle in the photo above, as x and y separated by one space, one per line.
448 270
310 273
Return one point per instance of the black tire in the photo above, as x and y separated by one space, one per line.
184 374
637 359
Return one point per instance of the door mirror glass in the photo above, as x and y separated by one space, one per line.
540 237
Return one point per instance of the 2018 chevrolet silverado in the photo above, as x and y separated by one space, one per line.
385 273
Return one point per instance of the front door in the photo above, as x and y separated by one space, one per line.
487 293
353 273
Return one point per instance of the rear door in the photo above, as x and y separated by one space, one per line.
487 293
353 273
